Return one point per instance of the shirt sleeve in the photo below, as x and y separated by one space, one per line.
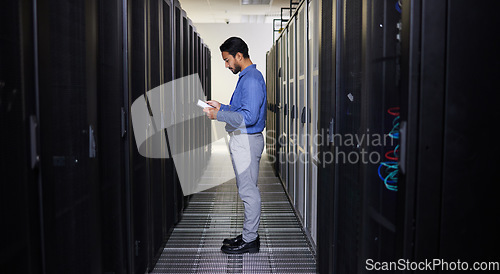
233 118
224 107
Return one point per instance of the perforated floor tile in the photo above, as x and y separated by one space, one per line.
217 213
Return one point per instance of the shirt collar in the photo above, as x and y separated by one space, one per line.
251 67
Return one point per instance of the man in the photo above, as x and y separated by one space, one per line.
245 118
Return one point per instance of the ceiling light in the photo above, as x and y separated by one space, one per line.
255 2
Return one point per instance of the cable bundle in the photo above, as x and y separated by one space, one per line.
388 171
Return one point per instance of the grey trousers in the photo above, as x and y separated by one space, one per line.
246 151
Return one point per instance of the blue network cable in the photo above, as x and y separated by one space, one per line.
394 133
398 6
388 171
391 179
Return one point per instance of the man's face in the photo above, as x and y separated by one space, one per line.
231 62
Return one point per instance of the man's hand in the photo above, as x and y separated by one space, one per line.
214 104
211 112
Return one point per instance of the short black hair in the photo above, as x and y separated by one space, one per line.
234 45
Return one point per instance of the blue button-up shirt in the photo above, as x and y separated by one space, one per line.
247 108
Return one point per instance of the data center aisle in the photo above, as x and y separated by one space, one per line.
217 213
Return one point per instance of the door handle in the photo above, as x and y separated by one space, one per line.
303 116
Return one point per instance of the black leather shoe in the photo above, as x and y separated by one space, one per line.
242 247
233 241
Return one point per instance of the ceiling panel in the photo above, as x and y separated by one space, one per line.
233 11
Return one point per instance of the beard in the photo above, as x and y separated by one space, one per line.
236 69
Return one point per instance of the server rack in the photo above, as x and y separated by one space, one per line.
400 70
190 69
112 149
68 130
98 206
140 181
277 107
179 64
329 26
196 122
301 124
208 77
292 92
348 121
156 166
20 202
283 153
186 71
366 86
271 93
171 188
269 104
312 119
293 82
446 72
345 93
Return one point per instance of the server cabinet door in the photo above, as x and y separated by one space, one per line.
292 119
115 216
348 123
185 96
268 83
20 207
380 97
169 177
68 134
275 106
314 135
449 172
154 66
179 65
197 123
270 126
330 18
140 181
301 119
279 105
285 109
189 114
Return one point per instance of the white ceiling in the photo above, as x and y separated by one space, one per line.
232 11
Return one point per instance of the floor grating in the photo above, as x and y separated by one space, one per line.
217 213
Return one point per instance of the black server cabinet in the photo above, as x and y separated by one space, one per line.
327 181
139 177
80 197
179 67
186 60
269 79
359 77
190 124
204 122
450 65
379 125
277 105
348 121
196 122
207 90
170 188
272 86
67 68
19 195
209 74
113 157
155 166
